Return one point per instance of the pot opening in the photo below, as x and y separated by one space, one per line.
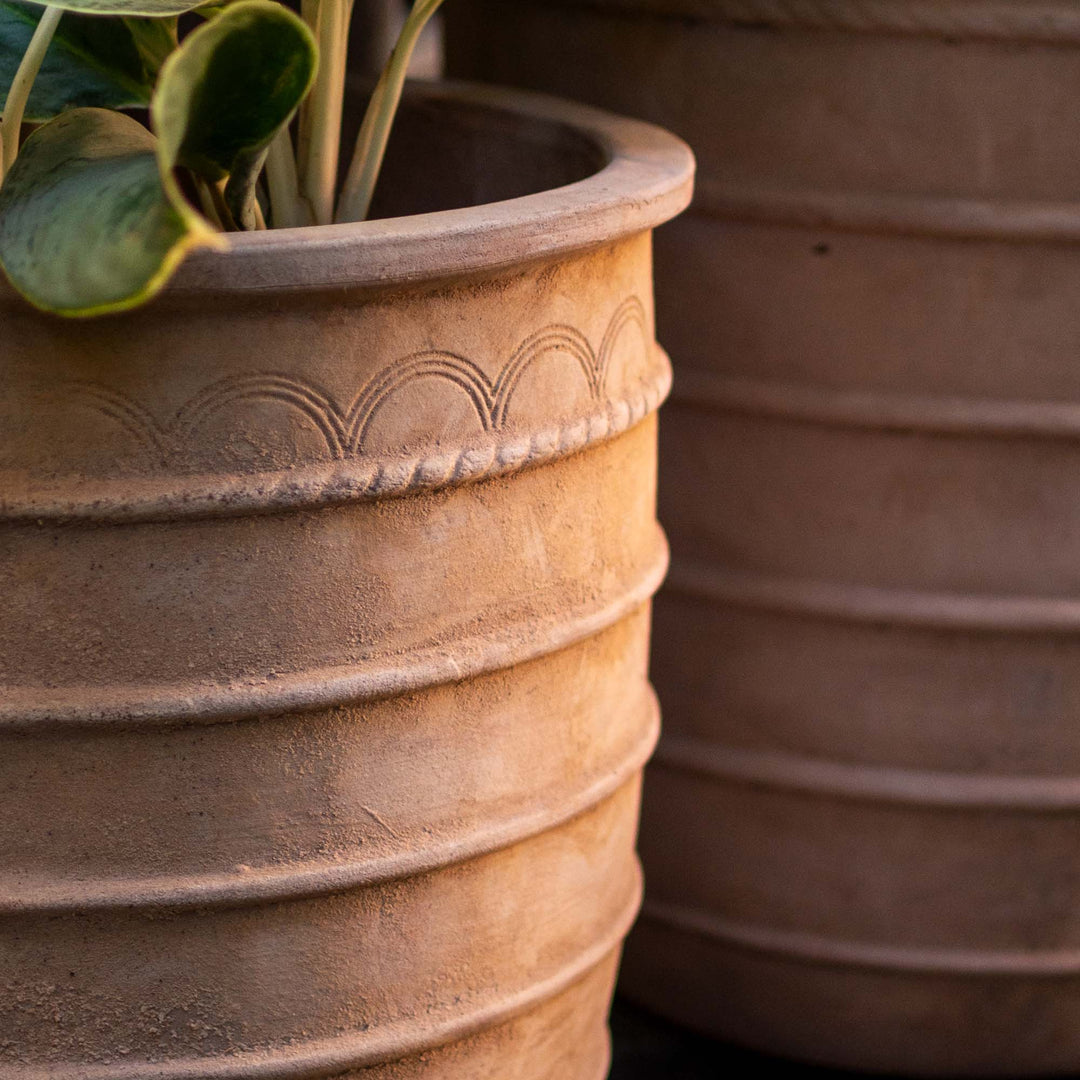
449 154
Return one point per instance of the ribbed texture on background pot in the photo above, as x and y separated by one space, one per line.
326 584
859 834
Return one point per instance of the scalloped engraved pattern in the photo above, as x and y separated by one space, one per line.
351 471
345 430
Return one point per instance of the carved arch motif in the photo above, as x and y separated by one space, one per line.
344 428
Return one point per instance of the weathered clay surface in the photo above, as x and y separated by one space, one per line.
859 833
325 601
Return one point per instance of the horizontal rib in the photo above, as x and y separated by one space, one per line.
873 604
1049 21
805 948
877 410
133 706
330 1057
921 789
364 478
256 887
943 217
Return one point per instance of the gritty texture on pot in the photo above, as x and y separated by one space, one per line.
859 830
323 696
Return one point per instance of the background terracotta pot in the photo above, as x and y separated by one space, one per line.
326 587
859 834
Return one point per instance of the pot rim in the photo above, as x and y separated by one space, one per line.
1041 21
647 179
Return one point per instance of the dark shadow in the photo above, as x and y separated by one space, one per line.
647 1047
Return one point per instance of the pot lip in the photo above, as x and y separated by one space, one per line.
647 180
1040 21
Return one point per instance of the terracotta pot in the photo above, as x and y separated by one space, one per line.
326 591
859 834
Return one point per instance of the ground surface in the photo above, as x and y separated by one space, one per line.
648 1048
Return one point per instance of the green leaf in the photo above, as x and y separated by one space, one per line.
231 87
92 218
156 39
111 63
154 8
87 225
212 7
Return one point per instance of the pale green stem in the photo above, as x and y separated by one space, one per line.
311 13
206 201
366 164
22 84
289 207
321 146
221 207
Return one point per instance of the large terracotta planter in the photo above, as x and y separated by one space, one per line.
325 588
860 832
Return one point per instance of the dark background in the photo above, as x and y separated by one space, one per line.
648 1048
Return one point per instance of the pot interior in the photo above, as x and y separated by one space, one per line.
450 154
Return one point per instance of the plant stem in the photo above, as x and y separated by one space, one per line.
321 145
289 207
374 134
206 202
22 84
224 214
311 13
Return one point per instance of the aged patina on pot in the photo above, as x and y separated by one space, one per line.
859 832
326 584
